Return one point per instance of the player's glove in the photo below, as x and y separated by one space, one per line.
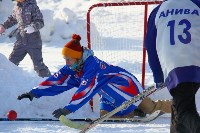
26 95
29 29
57 113
160 85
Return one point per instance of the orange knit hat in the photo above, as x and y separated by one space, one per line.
73 48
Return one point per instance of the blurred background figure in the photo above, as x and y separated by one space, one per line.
29 20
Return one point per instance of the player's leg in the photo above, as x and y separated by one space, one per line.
149 106
18 53
39 66
186 116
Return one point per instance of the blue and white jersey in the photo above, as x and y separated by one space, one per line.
173 42
113 83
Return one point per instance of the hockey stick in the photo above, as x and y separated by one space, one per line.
86 127
148 118
140 96
134 119
29 119
45 119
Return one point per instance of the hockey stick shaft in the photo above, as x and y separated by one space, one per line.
88 126
43 119
140 96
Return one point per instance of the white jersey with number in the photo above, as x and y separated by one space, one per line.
178 35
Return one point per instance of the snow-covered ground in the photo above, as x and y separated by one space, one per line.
62 19
160 125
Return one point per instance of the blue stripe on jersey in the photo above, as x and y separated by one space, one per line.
178 75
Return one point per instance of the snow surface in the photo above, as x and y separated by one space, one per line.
62 19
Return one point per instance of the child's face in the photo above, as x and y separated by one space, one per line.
69 61
20 0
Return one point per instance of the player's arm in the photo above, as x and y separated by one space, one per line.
61 81
37 18
11 21
150 45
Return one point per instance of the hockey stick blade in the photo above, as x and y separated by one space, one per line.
148 118
72 124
